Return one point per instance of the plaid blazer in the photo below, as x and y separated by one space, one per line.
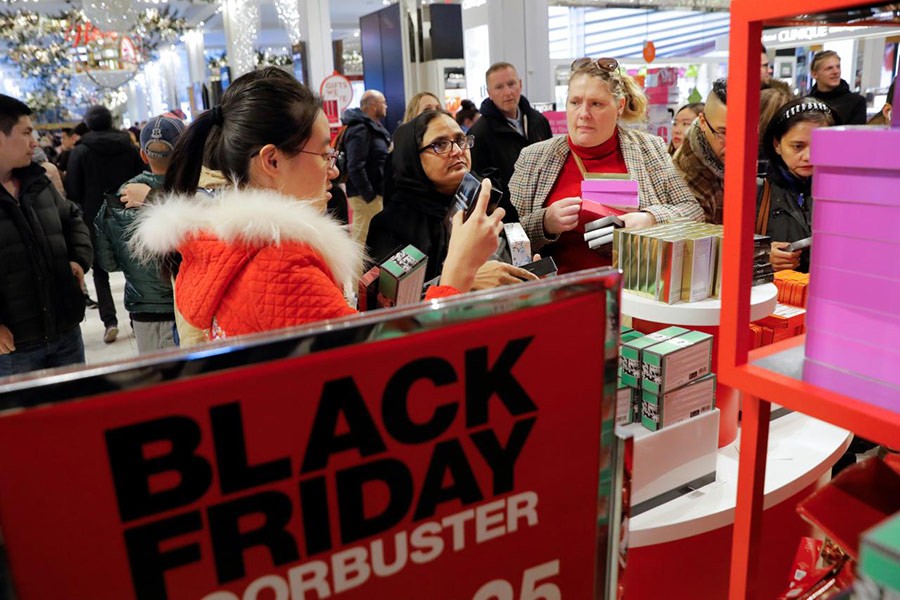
661 191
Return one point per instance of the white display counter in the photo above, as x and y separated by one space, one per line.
801 451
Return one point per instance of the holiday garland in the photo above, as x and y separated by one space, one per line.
215 62
41 48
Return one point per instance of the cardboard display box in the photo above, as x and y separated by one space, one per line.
663 410
624 407
519 244
632 352
676 362
402 277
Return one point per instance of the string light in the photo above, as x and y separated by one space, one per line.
289 15
244 19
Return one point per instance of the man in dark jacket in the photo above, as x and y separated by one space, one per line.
103 160
366 143
45 249
507 124
834 91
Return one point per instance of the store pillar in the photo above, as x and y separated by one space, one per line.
194 46
315 28
512 31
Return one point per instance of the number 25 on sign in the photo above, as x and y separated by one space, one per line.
533 585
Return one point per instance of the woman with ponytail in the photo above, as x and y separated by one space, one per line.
546 185
262 253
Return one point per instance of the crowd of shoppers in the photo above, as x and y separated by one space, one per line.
221 227
263 254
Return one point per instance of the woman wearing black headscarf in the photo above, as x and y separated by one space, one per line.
430 158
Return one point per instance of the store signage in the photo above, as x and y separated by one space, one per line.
559 124
337 87
806 34
460 463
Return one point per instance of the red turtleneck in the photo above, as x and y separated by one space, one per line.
571 252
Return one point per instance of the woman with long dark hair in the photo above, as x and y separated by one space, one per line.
784 199
263 254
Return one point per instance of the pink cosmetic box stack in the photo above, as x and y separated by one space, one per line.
604 197
853 321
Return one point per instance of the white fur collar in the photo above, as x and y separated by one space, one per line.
252 216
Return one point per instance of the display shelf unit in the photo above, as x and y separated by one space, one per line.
707 313
772 374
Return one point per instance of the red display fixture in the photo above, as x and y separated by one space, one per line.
775 372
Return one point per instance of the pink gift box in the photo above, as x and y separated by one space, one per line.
856 254
602 197
856 186
852 321
591 210
867 390
865 221
854 355
611 186
856 147
628 200
853 289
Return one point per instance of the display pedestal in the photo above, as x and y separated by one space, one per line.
649 316
680 549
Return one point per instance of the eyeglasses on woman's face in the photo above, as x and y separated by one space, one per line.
330 156
609 65
443 145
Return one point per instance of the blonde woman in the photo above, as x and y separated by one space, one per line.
421 102
546 185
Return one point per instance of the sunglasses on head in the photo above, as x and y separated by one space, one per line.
609 65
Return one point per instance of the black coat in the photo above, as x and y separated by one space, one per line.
366 143
102 161
790 209
497 144
849 107
416 212
40 234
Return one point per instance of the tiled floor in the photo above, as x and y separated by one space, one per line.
95 350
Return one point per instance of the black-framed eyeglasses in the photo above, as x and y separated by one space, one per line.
719 135
330 155
443 146
608 65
